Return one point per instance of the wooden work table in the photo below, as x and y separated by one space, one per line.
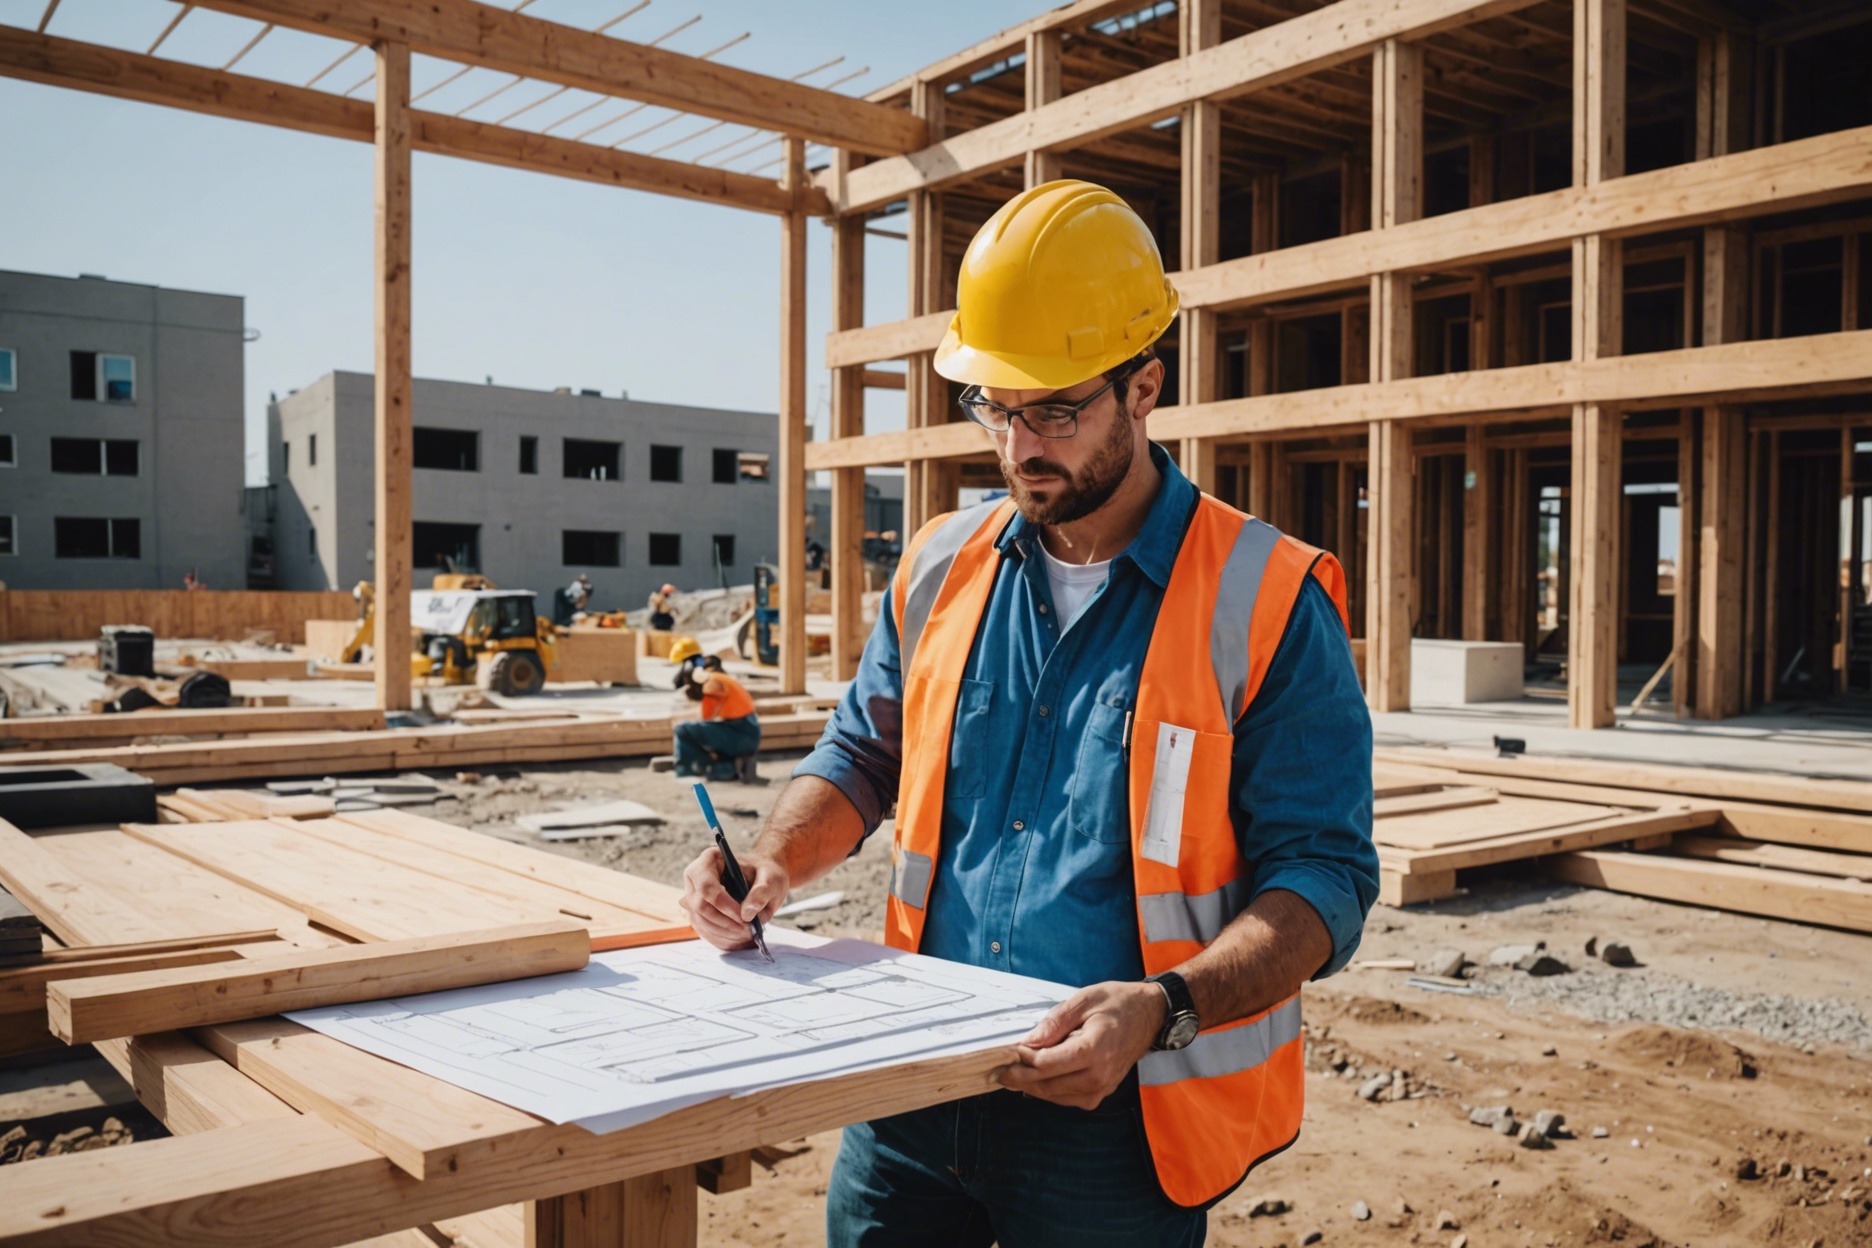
286 1137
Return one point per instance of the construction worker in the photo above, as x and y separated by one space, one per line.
662 619
1129 753
722 744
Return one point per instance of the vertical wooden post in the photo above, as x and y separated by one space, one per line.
1397 197
1043 87
1200 200
395 529
1684 603
792 467
846 540
650 1211
925 393
1598 297
1479 530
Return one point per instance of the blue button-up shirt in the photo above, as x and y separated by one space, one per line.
1035 873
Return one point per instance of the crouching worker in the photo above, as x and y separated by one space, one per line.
722 744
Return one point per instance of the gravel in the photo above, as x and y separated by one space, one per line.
1624 997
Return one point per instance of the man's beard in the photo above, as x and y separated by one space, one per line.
1075 497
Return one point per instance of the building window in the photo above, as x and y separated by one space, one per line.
594 461
311 450
6 536
753 466
7 457
285 457
665 550
312 541
724 550
116 457
727 466
666 463
93 537
446 547
111 378
450 450
588 548
9 369
529 456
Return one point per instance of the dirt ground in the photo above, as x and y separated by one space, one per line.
1738 1047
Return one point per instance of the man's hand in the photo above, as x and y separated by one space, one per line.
1081 1051
717 917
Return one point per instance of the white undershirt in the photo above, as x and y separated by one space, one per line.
1072 584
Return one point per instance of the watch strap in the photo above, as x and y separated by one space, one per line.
1176 991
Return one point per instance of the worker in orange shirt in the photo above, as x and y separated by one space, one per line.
721 745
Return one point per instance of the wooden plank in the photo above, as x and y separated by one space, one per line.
1280 53
610 926
571 875
127 75
1200 203
1783 857
62 731
1436 799
1652 778
391 382
1398 889
846 540
139 1002
23 988
1592 620
650 1211
363 897
1042 88
1787 895
517 43
70 910
791 462
1612 830
1507 816
1793 826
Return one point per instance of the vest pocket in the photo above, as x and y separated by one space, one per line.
1098 808
968 777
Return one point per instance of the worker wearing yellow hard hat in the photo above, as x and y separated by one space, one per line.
1128 753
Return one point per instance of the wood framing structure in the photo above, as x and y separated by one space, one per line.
1551 319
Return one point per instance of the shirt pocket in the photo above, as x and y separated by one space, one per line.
967 776
1099 805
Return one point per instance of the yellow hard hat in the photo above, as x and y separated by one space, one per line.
1062 284
685 648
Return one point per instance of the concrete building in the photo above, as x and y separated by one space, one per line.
529 487
121 438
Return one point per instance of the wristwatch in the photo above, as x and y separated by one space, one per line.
1180 1021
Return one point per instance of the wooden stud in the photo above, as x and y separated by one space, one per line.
1685 599
926 393
394 526
846 541
1592 617
1043 87
792 457
649 1211
135 1003
1391 491
1201 204
1480 530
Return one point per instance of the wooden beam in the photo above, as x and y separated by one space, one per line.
517 43
1289 50
649 1211
1043 87
1786 895
392 381
150 80
846 541
926 393
136 1003
791 465
1598 297
1481 525
1737 372
1807 172
1200 201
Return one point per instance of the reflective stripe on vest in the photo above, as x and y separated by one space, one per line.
1235 1096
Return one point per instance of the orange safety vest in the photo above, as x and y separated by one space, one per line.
1215 1109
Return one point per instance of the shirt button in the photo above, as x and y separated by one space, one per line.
995 947
1043 608
1018 825
1043 712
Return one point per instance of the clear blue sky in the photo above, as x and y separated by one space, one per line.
536 281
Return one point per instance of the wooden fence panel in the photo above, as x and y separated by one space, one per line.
227 615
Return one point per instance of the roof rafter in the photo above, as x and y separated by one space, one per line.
480 34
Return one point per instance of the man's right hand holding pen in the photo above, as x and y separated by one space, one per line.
716 916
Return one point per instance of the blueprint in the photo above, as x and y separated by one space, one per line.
641 1032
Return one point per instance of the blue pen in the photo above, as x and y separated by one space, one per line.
731 879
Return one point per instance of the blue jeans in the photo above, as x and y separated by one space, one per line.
701 744
1007 1169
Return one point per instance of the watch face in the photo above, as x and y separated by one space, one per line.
1181 1031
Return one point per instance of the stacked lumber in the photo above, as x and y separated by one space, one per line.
219 805
1785 847
21 935
55 732
408 749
